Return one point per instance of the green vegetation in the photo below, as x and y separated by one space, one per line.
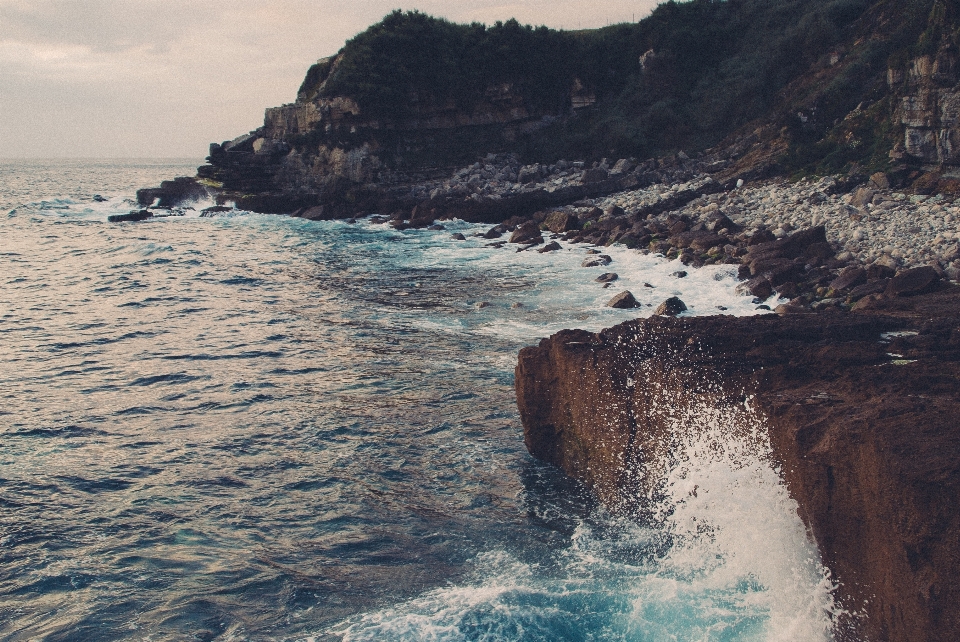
714 66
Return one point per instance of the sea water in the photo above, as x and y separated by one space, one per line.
252 427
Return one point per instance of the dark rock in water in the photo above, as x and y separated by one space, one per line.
680 274
759 287
648 285
597 261
216 209
316 213
457 236
140 215
593 251
436 228
493 233
869 446
552 246
559 222
671 307
173 193
607 277
527 233
849 277
623 301
913 281
99 199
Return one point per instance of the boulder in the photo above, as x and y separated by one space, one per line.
597 261
594 175
671 307
607 277
848 278
913 281
759 287
623 301
457 236
552 246
560 222
136 215
527 233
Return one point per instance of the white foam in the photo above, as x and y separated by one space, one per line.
738 566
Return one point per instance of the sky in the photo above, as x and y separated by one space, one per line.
164 78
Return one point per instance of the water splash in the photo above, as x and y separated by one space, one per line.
725 557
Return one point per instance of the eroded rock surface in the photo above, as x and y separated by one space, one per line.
861 408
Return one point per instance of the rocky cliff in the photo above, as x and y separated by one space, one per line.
861 410
749 88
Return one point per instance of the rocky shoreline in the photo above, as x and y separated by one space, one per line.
817 243
860 409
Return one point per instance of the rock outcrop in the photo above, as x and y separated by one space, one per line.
861 410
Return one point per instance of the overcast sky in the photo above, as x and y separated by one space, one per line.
164 78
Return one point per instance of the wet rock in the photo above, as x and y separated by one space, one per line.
607 277
559 222
875 286
679 274
435 228
552 246
913 281
457 236
180 190
136 215
671 307
848 278
623 301
759 287
791 308
597 261
526 234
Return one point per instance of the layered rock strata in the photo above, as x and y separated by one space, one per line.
861 410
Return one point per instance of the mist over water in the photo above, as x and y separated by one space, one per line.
256 427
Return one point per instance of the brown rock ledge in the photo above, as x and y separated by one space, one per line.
865 426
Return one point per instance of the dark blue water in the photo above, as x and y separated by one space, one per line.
261 428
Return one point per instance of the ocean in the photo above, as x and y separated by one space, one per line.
254 427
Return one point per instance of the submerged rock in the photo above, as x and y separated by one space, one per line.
140 215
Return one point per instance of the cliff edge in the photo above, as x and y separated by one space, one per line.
862 413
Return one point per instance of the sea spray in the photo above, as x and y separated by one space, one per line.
722 556
737 540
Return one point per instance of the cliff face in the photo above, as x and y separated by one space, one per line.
868 443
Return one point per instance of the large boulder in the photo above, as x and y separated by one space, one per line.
526 234
913 281
671 307
623 301
560 222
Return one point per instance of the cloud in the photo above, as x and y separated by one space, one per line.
164 78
